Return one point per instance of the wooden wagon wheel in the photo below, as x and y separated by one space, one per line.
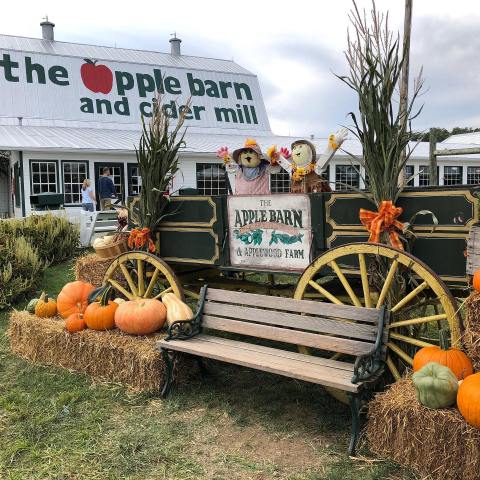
142 275
419 302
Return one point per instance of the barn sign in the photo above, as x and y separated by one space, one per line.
270 232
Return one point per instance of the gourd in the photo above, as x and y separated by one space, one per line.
436 386
45 307
98 242
75 323
452 358
31 305
141 316
468 399
101 315
73 298
176 309
476 280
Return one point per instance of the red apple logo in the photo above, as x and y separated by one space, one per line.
97 78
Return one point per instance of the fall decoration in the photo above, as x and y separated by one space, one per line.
75 323
476 280
436 386
73 298
108 355
45 307
471 334
139 239
176 309
452 358
140 317
31 305
468 399
438 444
100 315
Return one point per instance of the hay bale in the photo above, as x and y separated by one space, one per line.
438 444
471 335
107 356
91 268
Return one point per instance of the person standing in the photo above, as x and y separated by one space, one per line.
88 199
106 189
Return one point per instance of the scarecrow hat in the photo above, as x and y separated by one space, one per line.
311 145
250 144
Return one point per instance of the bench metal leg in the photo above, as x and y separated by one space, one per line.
355 404
168 373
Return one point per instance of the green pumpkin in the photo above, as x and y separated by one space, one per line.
31 305
436 386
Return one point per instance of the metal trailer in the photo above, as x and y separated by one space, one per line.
199 242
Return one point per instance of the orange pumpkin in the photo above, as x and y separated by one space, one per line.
468 399
45 307
476 280
100 315
453 358
73 298
141 317
75 323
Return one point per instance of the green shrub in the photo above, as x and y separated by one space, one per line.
55 238
20 266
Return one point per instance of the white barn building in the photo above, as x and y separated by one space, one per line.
67 110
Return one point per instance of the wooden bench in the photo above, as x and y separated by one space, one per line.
351 331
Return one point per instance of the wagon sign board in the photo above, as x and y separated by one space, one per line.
270 232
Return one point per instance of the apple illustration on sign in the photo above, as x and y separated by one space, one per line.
97 78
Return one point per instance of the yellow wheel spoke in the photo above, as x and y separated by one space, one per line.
325 293
163 292
391 366
141 281
363 274
404 356
410 340
153 280
122 290
409 297
345 284
129 279
416 321
387 284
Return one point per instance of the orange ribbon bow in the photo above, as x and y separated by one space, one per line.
138 238
383 221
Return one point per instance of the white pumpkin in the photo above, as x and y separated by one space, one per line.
98 243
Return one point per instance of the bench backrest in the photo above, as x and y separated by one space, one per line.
337 328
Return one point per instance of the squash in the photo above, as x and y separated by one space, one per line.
468 399
141 316
176 309
45 307
476 280
101 315
436 386
73 298
31 305
75 323
452 358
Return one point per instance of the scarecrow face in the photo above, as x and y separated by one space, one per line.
249 158
301 154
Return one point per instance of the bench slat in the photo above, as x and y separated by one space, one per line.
359 314
324 342
314 324
200 345
337 364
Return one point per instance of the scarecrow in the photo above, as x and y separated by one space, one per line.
252 171
302 165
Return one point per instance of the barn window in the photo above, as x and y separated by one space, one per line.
347 177
44 176
211 179
473 175
452 175
74 173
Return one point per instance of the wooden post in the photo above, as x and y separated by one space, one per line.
407 29
433 159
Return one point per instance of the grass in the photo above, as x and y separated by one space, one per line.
58 425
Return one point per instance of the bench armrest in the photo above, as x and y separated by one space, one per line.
370 365
184 329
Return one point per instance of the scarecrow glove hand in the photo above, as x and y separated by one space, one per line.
285 153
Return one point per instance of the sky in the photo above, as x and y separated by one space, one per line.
294 47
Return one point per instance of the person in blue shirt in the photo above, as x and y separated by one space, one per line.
106 189
88 198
